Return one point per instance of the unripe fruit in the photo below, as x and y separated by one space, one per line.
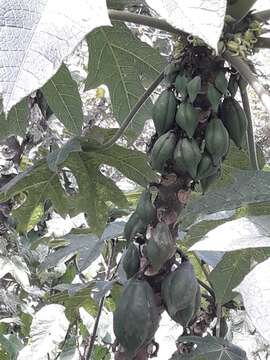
162 151
160 247
133 227
136 318
206 167
145 208
216 139
164 111
187 118
234 119
131 261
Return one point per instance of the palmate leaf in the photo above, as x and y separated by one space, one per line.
232 269
38 184
63 97
41 35
256 296
16 122
48 330
247 187
126 65
95 192
210 348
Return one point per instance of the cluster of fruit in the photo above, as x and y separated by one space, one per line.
192 140
137 315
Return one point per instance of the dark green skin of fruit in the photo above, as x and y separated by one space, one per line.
187 118
162 151
131 261
233 85
181 85
206 167
234 119
179 288
183 317
160 247
145 208
136 317
164 111
191 156
134 226
210 180
216 139
178 158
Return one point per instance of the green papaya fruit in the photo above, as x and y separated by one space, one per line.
171 72
134 226
145 208
131 261
179 165
214 97
191 156
162 151
194 87
181 84
179 288
187 117
221 82
206 167
234 119
164 111
160 247
183 317
239 8
233 84
136 317
210 180
216 139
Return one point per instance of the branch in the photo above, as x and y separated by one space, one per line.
206 287
263 43
133 112
263 16
219 315
250 78
89 348
250 134
143 20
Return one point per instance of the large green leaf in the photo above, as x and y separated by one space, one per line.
95 193
16 122
210 348
73 302
232 269
63 97
95 190
247 187
38 184
87 247
126 65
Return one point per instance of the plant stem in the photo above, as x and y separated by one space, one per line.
219 314
263 43
250 133
250 78
206 287
202 267
89 348
263 16
133 112
143 20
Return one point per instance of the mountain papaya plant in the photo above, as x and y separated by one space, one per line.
125 262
